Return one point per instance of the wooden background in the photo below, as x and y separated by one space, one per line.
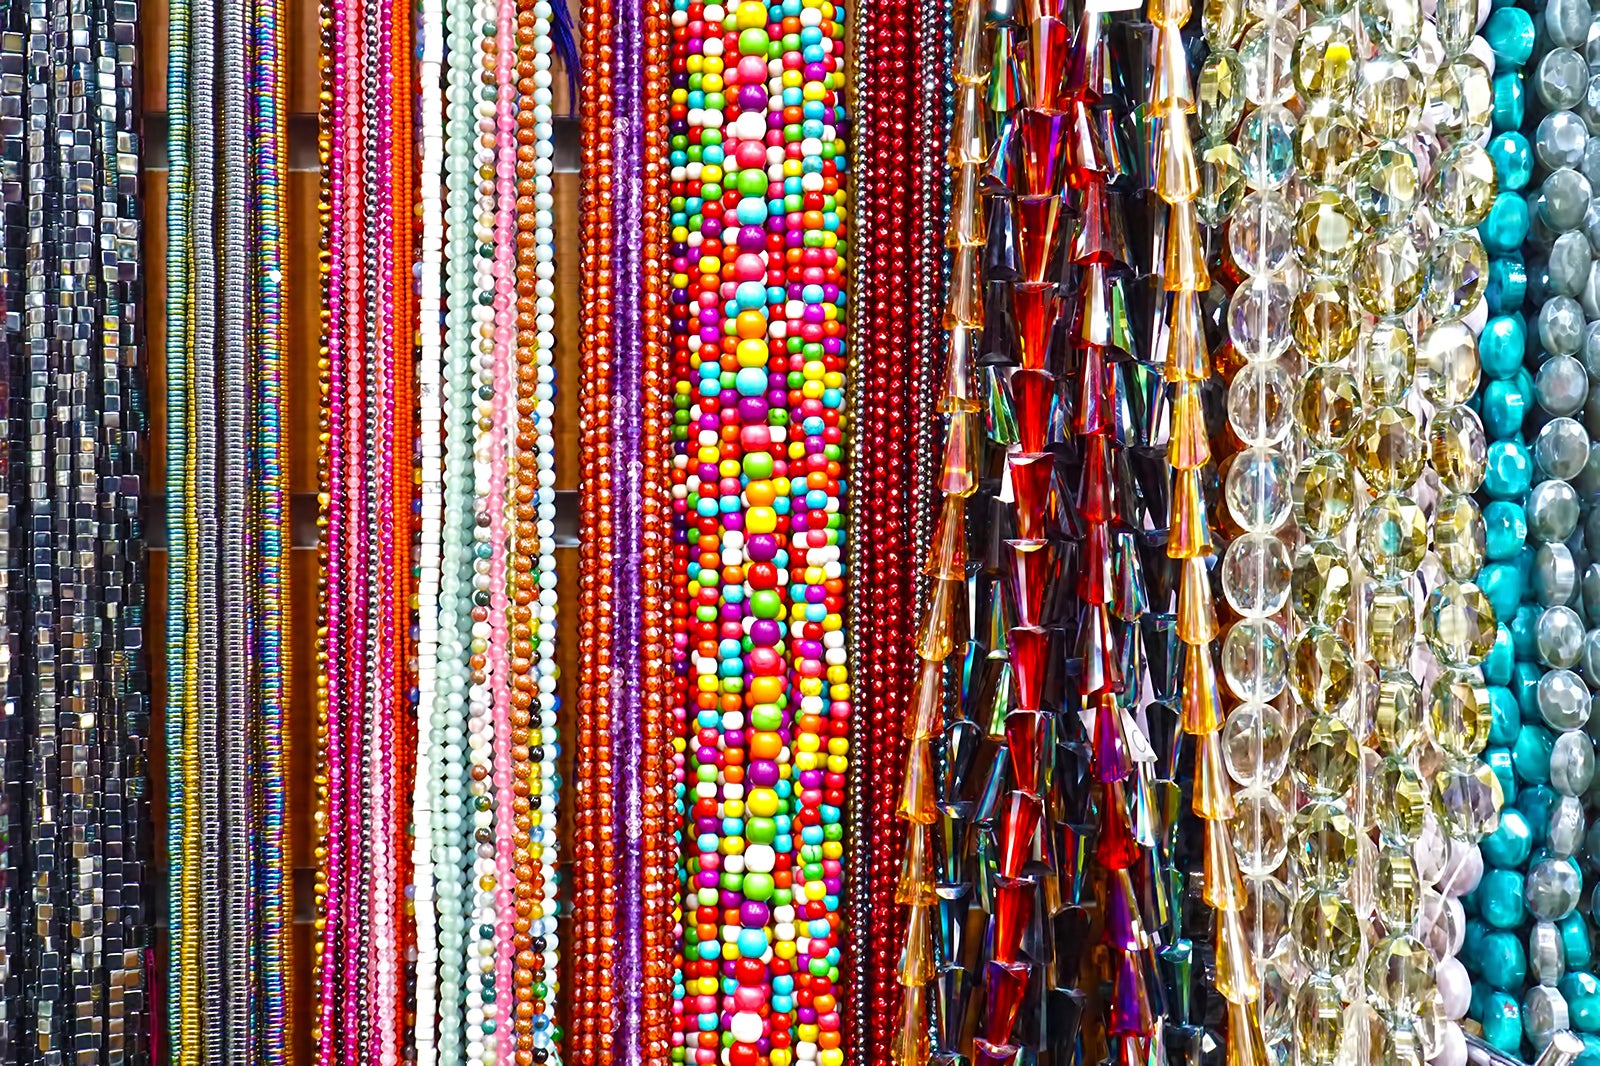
303 296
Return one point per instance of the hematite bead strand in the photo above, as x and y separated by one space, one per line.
13 738
276 1032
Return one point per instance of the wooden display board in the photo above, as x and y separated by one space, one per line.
302 299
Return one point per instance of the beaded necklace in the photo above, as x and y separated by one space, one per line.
72 909
1527 951
594 1026
226 507
659 839
884 355
272 859
453 839
428 806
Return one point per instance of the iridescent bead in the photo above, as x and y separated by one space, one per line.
1386 185
1560 638
1561 79
1563 699
1463 186
1560 141
1553 888
1562 385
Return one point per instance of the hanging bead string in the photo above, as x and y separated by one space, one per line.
1187 366
429 813
944 561
534 711
627 475
1520 996
659 842
330 473
593 1025
695 323
887 52
267 137
183 929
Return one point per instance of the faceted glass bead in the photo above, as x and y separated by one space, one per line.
1254 659
1255 574
1389 94
1398 887
1255 744
1400 803
1320 585
1259 831
1466 799
1328 407
1326 931
1318 1021
1392 25
1324 757
1261 233
1447 364
1457 21
1325 844
1259 489
1266 143
1389 449
1220 93
1258 317
1461 98
1393 537
1389 273
1266 908
1463 186
1222 182
1321 671
1326 232
1459 536
1397 712
1458 449
1390 364
1327 139
1458 274
1325 59
1458 624
1386 185
1400 974
1220 21
1459 712
1391 627
1258 403
1324 495
1325 327
1264 53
